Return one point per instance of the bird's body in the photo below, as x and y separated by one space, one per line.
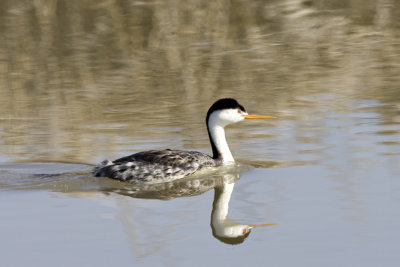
155 166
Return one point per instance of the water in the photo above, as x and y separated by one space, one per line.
85 81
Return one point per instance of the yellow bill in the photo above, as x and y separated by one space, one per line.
249 116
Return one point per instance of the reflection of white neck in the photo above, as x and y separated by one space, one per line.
223 226
222 204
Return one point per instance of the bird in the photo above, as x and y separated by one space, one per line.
155 166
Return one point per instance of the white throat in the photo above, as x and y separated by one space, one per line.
218 136
217 133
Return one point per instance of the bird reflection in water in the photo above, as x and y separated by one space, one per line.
223 228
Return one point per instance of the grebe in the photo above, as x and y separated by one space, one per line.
154 166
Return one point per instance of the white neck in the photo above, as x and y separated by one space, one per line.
217 134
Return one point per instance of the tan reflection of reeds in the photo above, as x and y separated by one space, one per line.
67 68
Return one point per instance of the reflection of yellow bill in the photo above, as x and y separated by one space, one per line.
249 116
261 225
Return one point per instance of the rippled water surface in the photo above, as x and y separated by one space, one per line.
81 81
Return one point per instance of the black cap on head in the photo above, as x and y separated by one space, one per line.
225 103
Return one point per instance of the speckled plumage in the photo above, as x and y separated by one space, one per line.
155 165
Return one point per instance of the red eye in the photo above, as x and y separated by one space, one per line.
239 111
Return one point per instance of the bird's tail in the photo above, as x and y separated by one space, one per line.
99 170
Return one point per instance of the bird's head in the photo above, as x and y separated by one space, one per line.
226 111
